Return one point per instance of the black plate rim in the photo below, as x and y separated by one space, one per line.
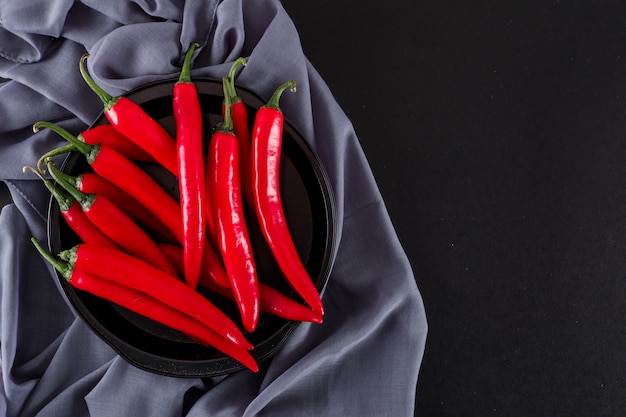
222 365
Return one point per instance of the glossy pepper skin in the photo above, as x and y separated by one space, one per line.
267 137
272 301
108 135
134 273
124 173
134 123
92 183
78 221
100 135
224 190
241 127
118 226
191 173
147 306
74 216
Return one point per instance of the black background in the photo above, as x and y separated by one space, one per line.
497 135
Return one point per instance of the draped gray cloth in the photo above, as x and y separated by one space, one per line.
363 361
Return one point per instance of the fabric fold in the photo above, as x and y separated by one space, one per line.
29 27
365 358
23 47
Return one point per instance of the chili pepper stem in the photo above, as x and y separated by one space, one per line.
185 73
117 225
57 173
64 268
77 144
273 101
64 200
231 77
85 200
54 152
227 125
107 99
69 255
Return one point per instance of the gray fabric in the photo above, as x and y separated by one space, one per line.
363 361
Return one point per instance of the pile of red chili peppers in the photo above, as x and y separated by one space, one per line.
151 253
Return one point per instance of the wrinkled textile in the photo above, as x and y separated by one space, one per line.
363 361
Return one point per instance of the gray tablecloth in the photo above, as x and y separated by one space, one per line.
363 361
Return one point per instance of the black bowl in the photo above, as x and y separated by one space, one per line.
310 211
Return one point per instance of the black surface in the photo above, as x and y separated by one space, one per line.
497 134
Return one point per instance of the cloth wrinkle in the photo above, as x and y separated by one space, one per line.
190 33
32 51
33 25
86 26
374 312
27 199
361 331
28 374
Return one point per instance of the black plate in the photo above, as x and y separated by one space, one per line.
310 211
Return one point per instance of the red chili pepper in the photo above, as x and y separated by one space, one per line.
272 301
133 122
117 225
224 192
212 267
241 126
188 116
91 183
108 135
134 273
101 135
74 215
122 172
149 307
267 137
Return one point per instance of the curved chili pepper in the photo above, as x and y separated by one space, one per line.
147 306
241 126
100 135
272 301
91 183
117 225
122 172
224 191
134 123
267 136
134 273
188 116
74 215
